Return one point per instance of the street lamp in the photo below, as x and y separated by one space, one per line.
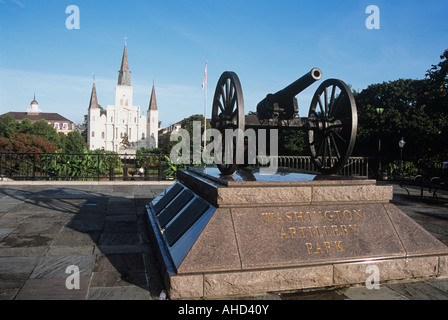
380 112
401 144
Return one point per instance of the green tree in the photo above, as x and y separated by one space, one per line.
84 132
437 102
26 143
144 151
8 126
292 143
404 115
438 76
188 124
74 143
42 128
26 126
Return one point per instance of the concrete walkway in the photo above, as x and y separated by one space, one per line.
100 229
48 232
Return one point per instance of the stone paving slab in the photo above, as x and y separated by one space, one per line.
69 237
119 293
23 252
100 228
422 290
115 278
44 229
17 265
362 293
56 266
23 240
5 232
63 251
52 289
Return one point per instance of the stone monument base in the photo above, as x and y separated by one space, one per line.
250 234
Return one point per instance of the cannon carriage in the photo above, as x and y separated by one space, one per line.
331 125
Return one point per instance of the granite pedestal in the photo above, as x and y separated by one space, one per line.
249 234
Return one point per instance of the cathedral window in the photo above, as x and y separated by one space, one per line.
102 135
93 134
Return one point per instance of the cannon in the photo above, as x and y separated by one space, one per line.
331 125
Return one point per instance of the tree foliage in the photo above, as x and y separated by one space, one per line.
74 143
415 110
26 143
26 136
438 77
87 165
292 143
45 130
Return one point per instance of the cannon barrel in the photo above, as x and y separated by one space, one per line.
298 86
284 97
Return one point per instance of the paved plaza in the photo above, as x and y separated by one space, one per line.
50 231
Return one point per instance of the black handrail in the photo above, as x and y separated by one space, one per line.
82 166
106 166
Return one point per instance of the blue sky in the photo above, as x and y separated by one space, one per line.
267 43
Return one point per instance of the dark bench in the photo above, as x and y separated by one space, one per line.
433 177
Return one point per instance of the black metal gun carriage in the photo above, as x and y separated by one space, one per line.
331 124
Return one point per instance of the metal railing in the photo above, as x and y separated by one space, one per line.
355 166
78 167
105 166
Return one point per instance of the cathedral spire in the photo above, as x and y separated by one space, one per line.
153 101
124 75
93 99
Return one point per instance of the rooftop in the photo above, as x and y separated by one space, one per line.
19 116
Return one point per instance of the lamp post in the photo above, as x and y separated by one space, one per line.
379 111
401 144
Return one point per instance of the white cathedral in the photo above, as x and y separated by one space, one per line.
122 126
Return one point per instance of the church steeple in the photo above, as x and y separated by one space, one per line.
153 101
124 75
93 99
152 126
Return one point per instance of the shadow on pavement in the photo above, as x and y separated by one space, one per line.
99 229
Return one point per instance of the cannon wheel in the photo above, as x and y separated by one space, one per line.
333 122
228 113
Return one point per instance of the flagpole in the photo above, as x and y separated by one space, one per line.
205 107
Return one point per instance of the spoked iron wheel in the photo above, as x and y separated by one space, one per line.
228 113
333 122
